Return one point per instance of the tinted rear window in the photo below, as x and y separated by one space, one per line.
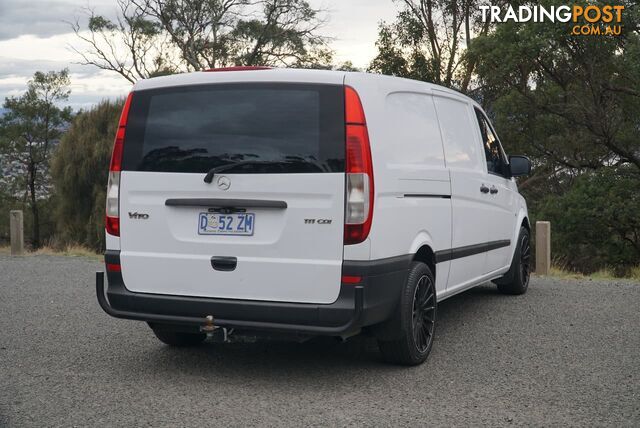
270 128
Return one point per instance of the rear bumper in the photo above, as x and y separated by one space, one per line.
369 302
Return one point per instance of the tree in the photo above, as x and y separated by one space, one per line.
427 42
154 37
32 125
347 66
132 46
79 170
596 223
571 102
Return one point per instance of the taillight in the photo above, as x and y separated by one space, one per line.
114 267
112 219
349 279
359 169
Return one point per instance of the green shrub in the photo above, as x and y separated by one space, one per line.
596 224
79 170
47 223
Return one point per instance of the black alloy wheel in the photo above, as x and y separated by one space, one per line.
424 309
525 259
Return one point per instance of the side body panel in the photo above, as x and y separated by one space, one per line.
470 210
412 205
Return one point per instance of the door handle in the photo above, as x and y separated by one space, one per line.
494 190
484 189
224 264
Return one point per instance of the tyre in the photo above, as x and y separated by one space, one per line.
414 321
178 338
516 280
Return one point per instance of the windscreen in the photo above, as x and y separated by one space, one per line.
263 128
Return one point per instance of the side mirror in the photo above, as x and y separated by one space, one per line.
519 165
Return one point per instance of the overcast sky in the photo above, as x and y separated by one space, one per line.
34 36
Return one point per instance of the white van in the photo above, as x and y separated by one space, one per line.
307 202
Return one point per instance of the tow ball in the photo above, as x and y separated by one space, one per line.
208 326
218 334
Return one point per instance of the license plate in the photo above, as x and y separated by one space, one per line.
226 224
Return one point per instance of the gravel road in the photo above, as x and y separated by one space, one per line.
566 353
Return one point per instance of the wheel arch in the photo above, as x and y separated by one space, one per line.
422 250
523 221
426 255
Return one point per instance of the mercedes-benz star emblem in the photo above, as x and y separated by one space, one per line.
223 182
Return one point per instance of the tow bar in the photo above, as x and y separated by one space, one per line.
208 324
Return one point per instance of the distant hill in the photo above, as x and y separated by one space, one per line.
3 111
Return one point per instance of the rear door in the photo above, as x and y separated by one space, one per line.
269 228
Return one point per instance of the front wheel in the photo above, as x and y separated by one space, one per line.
516 280
414 321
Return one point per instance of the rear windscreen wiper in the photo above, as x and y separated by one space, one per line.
283 162
213 171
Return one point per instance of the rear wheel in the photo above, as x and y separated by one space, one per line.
178 338
415 320
516 280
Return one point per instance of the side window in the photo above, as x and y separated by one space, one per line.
412 120
496 163
461 149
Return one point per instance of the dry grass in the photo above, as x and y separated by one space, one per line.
559 272
634 273
603 274
69 251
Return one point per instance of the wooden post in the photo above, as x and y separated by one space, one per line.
17 232
543 247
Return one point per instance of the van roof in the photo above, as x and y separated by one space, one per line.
284 75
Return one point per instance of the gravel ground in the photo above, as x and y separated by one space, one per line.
566 353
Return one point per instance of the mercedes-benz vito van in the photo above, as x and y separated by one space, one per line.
306 202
